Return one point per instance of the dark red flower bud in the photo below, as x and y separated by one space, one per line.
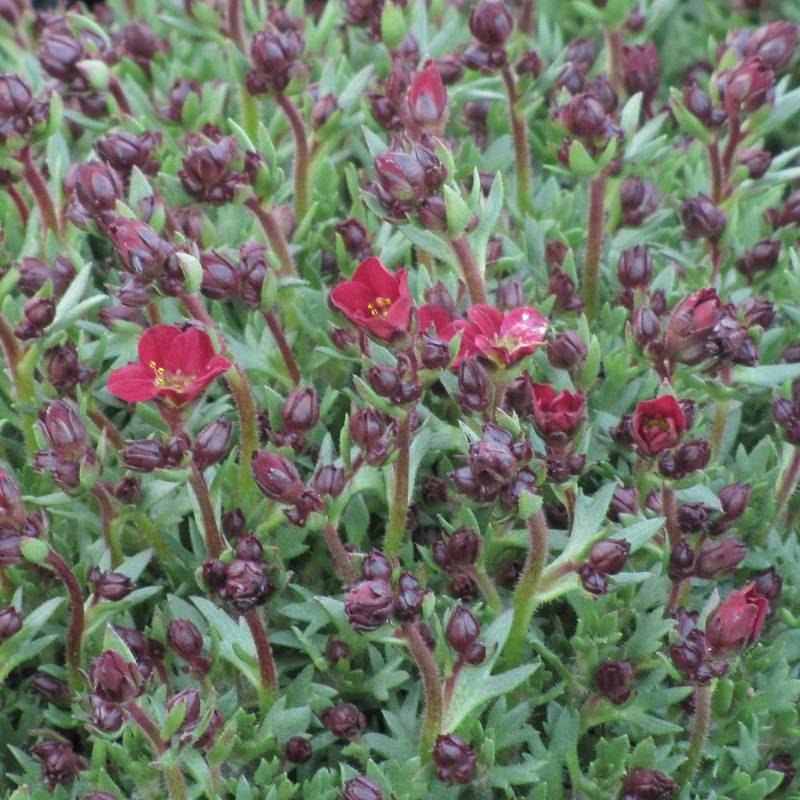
769 584
64 371
64 430
344 721
688 458
402 178
246 585
783 763
208 174
143 253
757 161
323 109
747 87
277 477
300 412
60 763
222 279
215 573
530 63
10 623
435 353
336 650
94 189
362 788
410 595
369 604
646 326
480 57
10 549
612 678
51 689
738 620
432 214
693 517
584 116
249 548
641 69
774 43
114 679
492 460
702 219
110 585
19 112
330 481
600 87
297 750
450 69
33 275
212 443
12 511
609 556
367 426
717 557
566 350
355 238
635 267
384 379
491 23
190 699
582 52
638 200
454 759
274 56
699 103
184 639
39 313
648 784
510 295
593 581
123 151
59 54
462 548
463 629
690 325
474 384
625 500
144 455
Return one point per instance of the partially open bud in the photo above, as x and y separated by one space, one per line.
612 679
719 556
641 69
246 585
584 116
114 679
454 759
369 604
300 412
344 721
185 640
702 219
635 267
410 595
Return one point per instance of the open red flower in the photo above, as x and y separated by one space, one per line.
433 316
376 300
174 366
658 424
738 620
504 338
557 414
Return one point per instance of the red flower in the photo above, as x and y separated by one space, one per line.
503 338
657 424
444 326
557 414
174 366
427 99
376 300
738 620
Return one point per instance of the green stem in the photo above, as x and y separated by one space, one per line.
488 590
432 685
107 516
721 409
215 544
525 601
274 236
702 723
469 270
75 629
301 157
398 512
266 663
519 133
594 247
787 485
107 426
249 113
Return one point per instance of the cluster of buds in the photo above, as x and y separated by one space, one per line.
243 582
14 522
299 414
186 641
497 467
60 763
409 182
115 682
491 23
606 557
279 480
455 760
373 432
641 72
274 60
373 600
613 678
123 151
68 441
703 219
92 191
400 385
227 279
761 257
148 653
212 171
64 370
20 113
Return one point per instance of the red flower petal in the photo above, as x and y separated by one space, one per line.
155 344
132 383
373 274
189 352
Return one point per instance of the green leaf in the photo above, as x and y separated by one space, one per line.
589 517
767 376
458 213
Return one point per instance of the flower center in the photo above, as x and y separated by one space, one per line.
380 308
170 380
654 425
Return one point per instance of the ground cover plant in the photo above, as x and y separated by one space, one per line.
399 400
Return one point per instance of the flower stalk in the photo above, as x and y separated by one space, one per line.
276 329
266 662
470 270
301 155
38 188
274 236
525 601
342 563
432 685
702 723
594 247
398 511
519 133
74 642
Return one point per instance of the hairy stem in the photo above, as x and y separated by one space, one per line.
108 427
266 663
215 544
488 589
671 514
594 247
432 685
19 202
276 329
118 93
720 415
301 156
274 236
522 155
734 137
107 515
527 20
524 601
469 270
702 723
74 641
614 43
236 24
342 563
38 188
398 512
787 485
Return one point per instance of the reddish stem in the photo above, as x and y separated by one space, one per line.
266 662
107 515
39 190
76 621
148 727
734 137
276 329
519 133
19 202
715 167
342 563
594 247
118 93
469 270
215 544
614 44
527 20
274 236
236 24
108 427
